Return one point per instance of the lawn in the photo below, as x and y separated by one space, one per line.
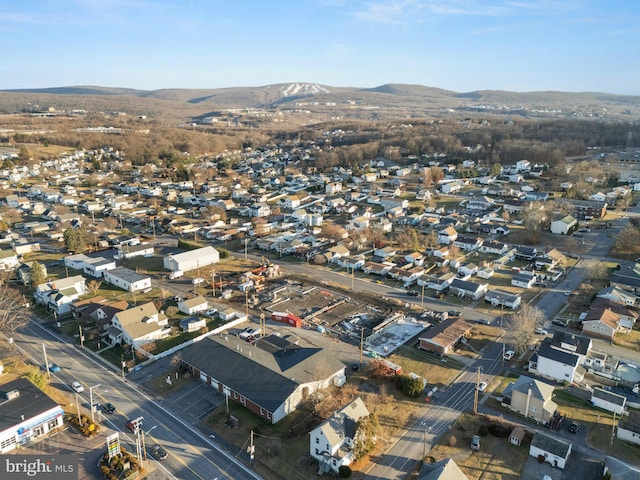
598 423
496 459
434 369
629 340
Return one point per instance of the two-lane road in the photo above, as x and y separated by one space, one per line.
192 456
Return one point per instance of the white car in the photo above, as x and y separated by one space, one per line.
508 355
77 387
482 386
211 312
540 331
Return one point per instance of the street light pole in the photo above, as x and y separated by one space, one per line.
91 401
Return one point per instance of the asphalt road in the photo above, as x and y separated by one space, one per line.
192 456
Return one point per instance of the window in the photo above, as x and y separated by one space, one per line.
318 440
51 424
7 443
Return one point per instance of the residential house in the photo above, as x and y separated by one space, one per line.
443 337
588 209
138 325
59 294
531 398
439 283
556 364
564 226
94 266
467 289
132 251
27 415
191 259
486 272
332 442
451 186
8 260
467 243
502 298
385 252
494 247
601 322
523 279
415 258
609 401
377 268
627 313
551 449
617 295
466 270
23 272
629 427
526 253
127 279
446 469
447 235
191 306
627 279
270 377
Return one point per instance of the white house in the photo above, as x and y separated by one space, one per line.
192 259
193 305
608 400
564 225
138 325
551 449
127 279
93 266
629 428
558 365
332 442
59 294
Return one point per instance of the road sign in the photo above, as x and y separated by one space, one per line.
113 445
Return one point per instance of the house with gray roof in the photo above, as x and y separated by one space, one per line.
531 398
446 469
57 295
332 442
551 449
502 298
127 279
270 377
555 364
610 401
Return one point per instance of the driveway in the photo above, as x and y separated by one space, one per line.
579 466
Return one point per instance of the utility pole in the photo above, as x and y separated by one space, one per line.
475 397
252 448
91 402
422 301
213 283
81 337
122 366
613 428
78 409
353 274
361 344
46 362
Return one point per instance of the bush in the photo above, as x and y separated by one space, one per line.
410 386
453 441
500 430
224 253
344 471
483 431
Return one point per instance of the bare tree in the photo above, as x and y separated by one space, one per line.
13 311
523 325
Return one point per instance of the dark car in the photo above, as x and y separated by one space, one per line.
454 313
108 408
412 293
574 427
157 452
560 323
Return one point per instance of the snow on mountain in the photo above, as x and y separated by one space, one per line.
303 89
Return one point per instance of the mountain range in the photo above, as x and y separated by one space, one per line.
385 102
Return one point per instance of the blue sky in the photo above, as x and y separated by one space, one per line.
460 45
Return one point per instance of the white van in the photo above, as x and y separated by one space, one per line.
176 274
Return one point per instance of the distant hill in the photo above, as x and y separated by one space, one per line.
390 101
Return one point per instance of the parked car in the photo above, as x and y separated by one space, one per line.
558 322
482 386
540 331
567 293
574 427
157 452
108 408
413 293
475 442
77 387
508 355
211 312
483 321
454 313
178 298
